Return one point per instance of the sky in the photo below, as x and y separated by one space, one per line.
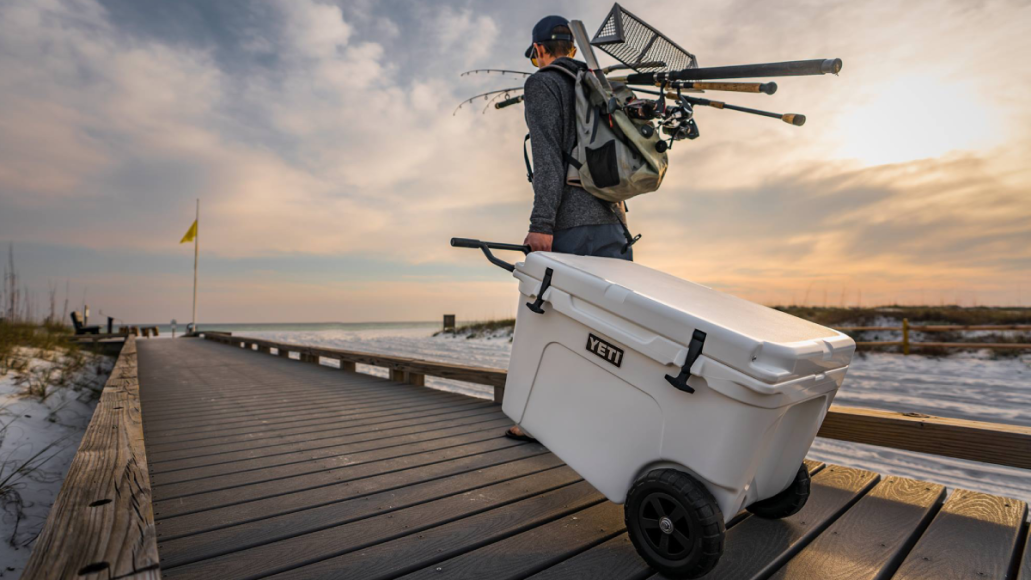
322 140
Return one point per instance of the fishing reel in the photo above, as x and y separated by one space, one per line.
675 121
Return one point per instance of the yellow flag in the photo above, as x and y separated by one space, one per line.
191 234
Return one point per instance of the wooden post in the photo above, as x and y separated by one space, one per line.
449 321
397 375
499 394
905 336
350 366
417 379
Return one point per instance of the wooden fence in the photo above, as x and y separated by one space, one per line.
907 344
101 524
974 440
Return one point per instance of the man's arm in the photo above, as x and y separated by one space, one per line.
544 119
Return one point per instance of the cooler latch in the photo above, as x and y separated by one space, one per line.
535 306
694 350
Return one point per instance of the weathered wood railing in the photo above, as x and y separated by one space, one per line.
974 440
101 524
906 328
406 370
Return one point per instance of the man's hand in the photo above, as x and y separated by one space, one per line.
538 242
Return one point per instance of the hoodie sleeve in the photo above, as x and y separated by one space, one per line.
544 119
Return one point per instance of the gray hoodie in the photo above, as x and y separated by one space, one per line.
551 117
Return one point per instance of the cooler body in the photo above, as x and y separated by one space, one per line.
588 379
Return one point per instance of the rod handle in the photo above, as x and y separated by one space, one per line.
793 119
509 102
765 88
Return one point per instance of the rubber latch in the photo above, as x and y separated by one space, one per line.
535 306
694 350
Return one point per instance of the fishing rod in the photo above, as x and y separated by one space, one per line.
796 68
790 118
484 95
494 70
764 88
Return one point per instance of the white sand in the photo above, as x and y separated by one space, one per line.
37 443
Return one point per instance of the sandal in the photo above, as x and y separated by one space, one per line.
519 436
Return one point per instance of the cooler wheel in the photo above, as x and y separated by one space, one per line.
786 503
674 523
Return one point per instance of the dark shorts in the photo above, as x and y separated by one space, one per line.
604 241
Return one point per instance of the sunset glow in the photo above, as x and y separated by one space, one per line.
319 136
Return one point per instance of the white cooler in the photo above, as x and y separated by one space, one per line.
594 378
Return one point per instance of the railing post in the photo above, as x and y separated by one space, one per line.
417 379
905 336
350 366
499 394
397 375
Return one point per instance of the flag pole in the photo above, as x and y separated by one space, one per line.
196 253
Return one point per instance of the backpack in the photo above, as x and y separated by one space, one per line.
615 157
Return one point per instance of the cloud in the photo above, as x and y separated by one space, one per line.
314 128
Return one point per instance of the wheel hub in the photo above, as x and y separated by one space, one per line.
666 525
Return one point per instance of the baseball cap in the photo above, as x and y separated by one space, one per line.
545 30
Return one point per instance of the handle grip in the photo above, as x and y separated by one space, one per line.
509 102
765 88
794 119
465 243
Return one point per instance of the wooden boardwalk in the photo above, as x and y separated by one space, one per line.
265 467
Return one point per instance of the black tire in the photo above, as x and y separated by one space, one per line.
690 540
786 503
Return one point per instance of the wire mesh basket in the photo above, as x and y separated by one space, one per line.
636 44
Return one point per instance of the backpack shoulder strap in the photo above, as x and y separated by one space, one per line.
561 69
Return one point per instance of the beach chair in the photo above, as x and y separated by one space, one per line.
80 328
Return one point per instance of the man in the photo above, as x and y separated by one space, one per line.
564 219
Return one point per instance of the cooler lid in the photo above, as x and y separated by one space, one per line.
761 342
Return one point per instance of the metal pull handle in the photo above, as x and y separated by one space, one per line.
487 246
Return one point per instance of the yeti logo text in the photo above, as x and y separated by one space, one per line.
605 350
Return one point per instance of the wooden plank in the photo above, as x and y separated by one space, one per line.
341 464
353 507
417 550
975 535
227 497
237 415
285 407
756 548
534 550
402 540
294 420
974 440
252 458
615 559
346 452
870 540
1025 567
242 443
101 524
270 427
201 523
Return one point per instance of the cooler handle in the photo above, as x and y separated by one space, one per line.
487 246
